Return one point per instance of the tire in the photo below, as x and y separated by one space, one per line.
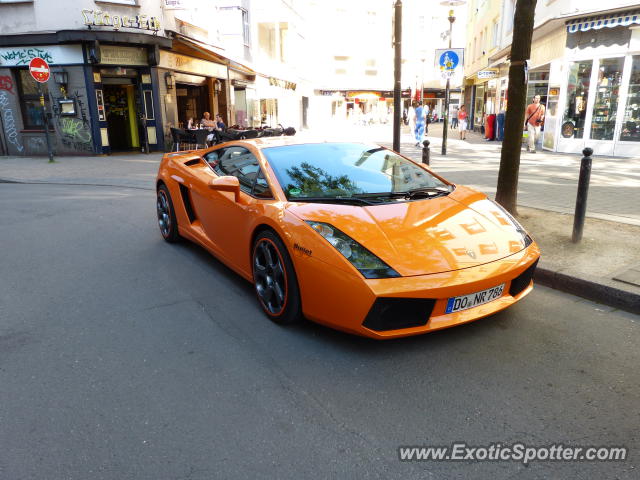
166 215
275 280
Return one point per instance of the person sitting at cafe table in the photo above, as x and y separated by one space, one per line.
219 123
206 121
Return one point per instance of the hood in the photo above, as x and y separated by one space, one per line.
461 230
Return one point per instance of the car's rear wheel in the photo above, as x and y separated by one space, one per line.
275 279
166 215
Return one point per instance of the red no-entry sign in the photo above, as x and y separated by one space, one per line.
39 70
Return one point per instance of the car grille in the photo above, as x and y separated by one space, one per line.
522 281
394 313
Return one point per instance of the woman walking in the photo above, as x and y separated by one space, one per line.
462 122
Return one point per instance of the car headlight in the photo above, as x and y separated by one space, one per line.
527 240
366 262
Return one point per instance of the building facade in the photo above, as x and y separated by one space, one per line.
584 65
103 92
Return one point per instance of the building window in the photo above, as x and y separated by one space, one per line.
495 31
267 39
371 62
30 101
577 93
245 28
606 104
341 71
371 72
341 58
631 121
510 11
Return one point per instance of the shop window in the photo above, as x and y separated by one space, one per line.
606 104
631 122
575 109
30 101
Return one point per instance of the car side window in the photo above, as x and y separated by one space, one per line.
261 188
213 158
238 162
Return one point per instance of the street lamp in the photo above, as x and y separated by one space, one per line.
447 92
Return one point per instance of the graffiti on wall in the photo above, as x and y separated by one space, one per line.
75 133
22 56
9 121
6 83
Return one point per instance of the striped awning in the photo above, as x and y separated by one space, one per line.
623 19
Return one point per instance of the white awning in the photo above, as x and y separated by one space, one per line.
623 19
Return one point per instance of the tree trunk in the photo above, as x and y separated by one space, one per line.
507 190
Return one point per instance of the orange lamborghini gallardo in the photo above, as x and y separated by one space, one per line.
350 235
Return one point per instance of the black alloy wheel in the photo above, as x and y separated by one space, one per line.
275 279
166 215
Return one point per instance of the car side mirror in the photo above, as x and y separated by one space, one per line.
226 183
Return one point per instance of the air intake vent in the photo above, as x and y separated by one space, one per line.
395 313
522 281
186 200
190 163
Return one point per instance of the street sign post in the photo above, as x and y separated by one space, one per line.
40 71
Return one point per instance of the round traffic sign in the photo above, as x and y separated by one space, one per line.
448 61
39 70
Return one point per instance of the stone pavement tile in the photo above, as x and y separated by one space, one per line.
630 276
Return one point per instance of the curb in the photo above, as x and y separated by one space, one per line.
597 292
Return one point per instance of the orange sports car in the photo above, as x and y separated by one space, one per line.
350 235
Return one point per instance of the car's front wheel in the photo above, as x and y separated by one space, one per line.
275 279
166 215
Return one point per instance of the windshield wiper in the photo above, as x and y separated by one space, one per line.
344 200
409 194
429 192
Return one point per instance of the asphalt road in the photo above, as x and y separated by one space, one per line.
123 357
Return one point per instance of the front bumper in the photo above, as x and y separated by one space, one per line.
345 302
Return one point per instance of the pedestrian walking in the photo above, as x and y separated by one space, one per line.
462 122
535 120
454 119
419 123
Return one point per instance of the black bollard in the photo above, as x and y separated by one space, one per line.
583 191
426 152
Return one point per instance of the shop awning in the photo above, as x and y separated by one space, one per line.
213 53
620 19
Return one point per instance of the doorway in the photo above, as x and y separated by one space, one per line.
122 115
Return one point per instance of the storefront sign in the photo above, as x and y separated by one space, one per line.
116 55
101 18
183 63
176 4
52 54
484 74
276 82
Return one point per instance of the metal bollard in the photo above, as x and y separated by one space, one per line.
426 152
583 190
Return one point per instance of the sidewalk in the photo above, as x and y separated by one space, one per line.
604 267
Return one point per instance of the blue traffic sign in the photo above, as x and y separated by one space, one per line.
448 61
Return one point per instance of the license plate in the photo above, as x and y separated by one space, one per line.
464 302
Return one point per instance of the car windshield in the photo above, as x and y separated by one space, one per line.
338 170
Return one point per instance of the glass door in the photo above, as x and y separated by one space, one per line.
630 131
603 121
